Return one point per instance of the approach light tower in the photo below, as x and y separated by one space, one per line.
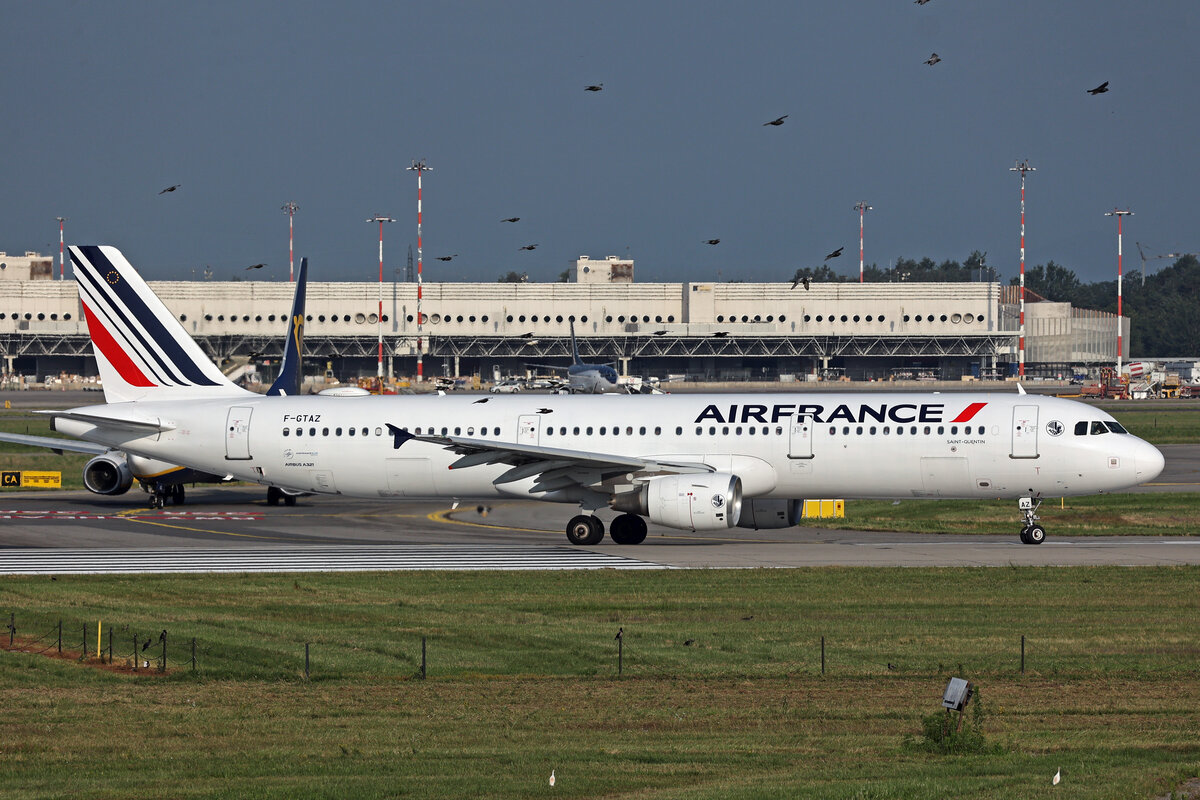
1022 168
61 268
419 167
862 209
290 209
1120 326
379 316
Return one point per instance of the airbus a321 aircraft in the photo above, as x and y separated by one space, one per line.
693 462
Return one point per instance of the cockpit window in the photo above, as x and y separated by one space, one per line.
1098 428
1081 428
1115 427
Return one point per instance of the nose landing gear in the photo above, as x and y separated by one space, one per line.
1032 532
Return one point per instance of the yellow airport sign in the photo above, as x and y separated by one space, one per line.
28 479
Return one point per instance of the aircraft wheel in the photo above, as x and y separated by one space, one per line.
289 499
585 530
1035 534
177 494
1025 535
273 495
628 529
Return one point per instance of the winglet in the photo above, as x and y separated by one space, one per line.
399 436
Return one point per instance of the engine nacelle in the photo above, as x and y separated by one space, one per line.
703 502
107 475
762 513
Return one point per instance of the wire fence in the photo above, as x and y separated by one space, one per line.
622 655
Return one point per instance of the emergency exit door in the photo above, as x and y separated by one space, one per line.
237 434
800 438
1024 432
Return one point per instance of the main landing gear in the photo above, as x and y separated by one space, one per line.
588 529
160 493
1032 532
275 494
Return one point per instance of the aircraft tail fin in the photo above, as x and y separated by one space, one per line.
574 346
291 373
142 350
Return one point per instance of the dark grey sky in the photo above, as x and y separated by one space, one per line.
249 105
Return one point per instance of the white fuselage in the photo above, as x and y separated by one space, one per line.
851 445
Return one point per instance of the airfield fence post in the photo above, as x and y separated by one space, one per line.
306 661
422 658
135 652
12 627
163 668
60 637
193 654
822 655
620 656
110 660
83 650
1022 654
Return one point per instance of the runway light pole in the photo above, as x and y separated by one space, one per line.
1120 320
419 167
862 209
379 316
290 209
1022 168
61 268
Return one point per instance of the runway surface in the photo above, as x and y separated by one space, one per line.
233 529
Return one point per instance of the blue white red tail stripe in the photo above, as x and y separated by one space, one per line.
140 346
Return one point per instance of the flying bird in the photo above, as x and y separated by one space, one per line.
529 247
805 279
545 411
1101 89
256 266
660 333
777 121
933 59
595 87
171 188
447 258
484 400
511 219
712 241
835 253
721 333
920 2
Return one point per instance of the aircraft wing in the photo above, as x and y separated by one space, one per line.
560 368
554 467
55 444
120 422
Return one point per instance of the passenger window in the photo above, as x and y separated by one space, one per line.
379 431
832 430
657 431
470 431
927 429
589 430
738 430
872 430
712 431
629 430
779 430
954 430
1098 428
352 431
444 431
941 430
858 431
338 432
679 431
602 430
312 431
1081 428
550 431
616 431
699 430
899 430
725 430
286 431
457 431
324 431
575 430
887 429
642 431
366 431
845 430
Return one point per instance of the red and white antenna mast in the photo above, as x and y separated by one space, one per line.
290 209
379 317
1022 168
419 167
862 208
1120 320
61 269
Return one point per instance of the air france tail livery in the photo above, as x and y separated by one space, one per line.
113 471
693 462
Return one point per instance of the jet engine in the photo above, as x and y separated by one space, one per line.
763 513
704 502
107 475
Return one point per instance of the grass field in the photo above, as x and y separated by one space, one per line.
522 681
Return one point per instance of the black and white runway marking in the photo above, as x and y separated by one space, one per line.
313 558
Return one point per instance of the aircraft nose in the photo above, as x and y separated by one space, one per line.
1148 462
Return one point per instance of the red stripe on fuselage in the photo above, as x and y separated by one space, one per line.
112 351
969 412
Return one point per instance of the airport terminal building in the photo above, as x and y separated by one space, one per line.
704 330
